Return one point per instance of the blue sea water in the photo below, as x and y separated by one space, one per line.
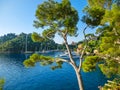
17 77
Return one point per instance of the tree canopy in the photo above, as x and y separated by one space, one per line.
51 16
107 41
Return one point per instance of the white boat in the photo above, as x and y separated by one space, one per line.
28 52
66 56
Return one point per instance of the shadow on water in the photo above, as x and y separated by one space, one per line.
43 78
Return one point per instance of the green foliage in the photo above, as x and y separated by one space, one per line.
91 46
108 39
58 17
58 65
2 82
29 63
109 68
7 37
34 58
49 33
109 44
17 44
112 85
100 3
43 60
112 16
89 64
93 16
36 37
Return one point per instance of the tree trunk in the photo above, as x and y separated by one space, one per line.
80 82
77 71
79 78
68 50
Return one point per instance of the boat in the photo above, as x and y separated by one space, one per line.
28 52
66 56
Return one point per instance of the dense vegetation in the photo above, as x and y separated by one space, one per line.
104 47
17 44
2 82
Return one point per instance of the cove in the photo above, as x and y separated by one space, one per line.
17 77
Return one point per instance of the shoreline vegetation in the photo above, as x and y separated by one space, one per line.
23 43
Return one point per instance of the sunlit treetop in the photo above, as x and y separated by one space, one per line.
56 17
100 3
112 16
95 11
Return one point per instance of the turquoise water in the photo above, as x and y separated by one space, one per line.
42 77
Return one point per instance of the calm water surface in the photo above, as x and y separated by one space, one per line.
42 77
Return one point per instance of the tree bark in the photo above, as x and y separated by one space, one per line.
68 49
77 71
79 77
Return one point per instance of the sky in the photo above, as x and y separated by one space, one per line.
17 16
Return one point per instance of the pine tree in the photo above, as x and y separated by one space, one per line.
108 40
56 18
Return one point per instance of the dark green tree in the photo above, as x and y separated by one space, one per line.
17 43
108 40
7 37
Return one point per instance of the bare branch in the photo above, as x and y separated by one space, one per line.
83 51
66 32
68 49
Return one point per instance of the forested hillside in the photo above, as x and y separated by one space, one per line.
17 43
